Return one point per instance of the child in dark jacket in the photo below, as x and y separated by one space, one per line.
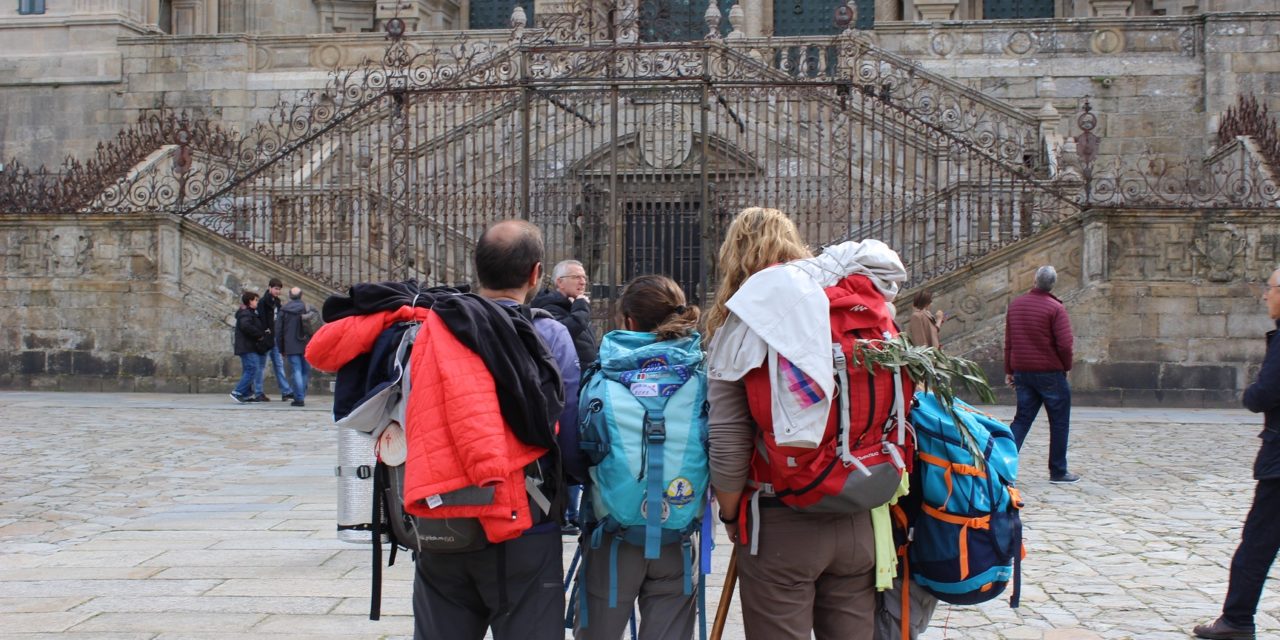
250 338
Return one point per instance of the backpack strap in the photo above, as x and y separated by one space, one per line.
655 435
842 436
375 591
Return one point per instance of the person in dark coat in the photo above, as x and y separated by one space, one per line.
1260 540
568 302
291 340
251 341
268 310
1037 356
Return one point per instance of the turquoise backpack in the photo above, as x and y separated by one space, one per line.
967 539
643 412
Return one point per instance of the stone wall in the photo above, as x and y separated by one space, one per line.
105 303
1164 304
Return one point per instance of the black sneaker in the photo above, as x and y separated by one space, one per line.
1066 478
569 529
286 397
297 403
261 397
239 398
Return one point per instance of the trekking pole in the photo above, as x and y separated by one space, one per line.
726 598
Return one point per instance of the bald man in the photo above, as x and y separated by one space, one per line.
515 588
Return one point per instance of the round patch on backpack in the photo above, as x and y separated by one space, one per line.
680 492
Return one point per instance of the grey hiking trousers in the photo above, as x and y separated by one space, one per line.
665 612
889 615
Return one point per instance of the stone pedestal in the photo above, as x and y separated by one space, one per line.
346 16
422 15
935 10
1112 8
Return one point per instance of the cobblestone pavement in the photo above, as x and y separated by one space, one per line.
166 517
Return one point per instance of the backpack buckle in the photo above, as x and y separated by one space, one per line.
655 430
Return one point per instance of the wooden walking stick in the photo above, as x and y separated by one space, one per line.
726 598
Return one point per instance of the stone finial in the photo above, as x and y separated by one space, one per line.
738 21
518 22
1069 163
712 16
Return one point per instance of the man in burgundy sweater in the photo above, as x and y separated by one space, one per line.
1037 357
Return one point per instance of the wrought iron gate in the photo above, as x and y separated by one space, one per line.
631 156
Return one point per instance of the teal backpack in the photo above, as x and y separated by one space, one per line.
643 412
967 537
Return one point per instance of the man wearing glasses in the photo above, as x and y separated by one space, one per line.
1260 539
567 300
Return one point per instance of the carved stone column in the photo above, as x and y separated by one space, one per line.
887 11
753 13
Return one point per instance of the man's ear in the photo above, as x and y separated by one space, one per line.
536 275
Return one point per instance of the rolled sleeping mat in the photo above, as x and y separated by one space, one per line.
356 460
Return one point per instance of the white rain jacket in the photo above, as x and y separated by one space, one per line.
783 311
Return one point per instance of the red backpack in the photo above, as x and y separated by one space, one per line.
868 413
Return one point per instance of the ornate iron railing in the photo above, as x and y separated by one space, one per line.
631 156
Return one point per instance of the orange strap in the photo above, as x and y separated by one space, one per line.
966 524
962 469
906 598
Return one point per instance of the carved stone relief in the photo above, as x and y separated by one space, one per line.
1216 251
667 137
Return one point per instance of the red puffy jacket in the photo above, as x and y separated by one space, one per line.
455 431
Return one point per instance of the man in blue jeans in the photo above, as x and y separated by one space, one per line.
293 322
1260 540
267 311
1037 357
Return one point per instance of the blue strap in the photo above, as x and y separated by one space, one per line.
655 433
613 571
702 606
686 556
706 541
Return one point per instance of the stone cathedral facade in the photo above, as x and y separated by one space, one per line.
1132 143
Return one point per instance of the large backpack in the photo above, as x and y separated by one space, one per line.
967 538
866 448
381 416
643 412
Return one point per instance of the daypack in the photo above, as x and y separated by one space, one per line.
858 464
381 415
966 543
643 413
310 322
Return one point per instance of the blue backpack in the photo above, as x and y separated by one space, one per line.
643 412
967 539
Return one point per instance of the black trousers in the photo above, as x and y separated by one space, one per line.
1258 546
516 588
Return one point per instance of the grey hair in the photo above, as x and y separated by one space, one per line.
295 293
1046 277
562 268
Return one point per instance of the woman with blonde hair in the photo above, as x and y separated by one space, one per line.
800 572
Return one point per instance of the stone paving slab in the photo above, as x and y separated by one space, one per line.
169 517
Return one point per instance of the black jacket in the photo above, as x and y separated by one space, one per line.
268 305
372 297
1263 396
576 317
249 336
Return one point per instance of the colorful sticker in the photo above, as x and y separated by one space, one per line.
680 492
